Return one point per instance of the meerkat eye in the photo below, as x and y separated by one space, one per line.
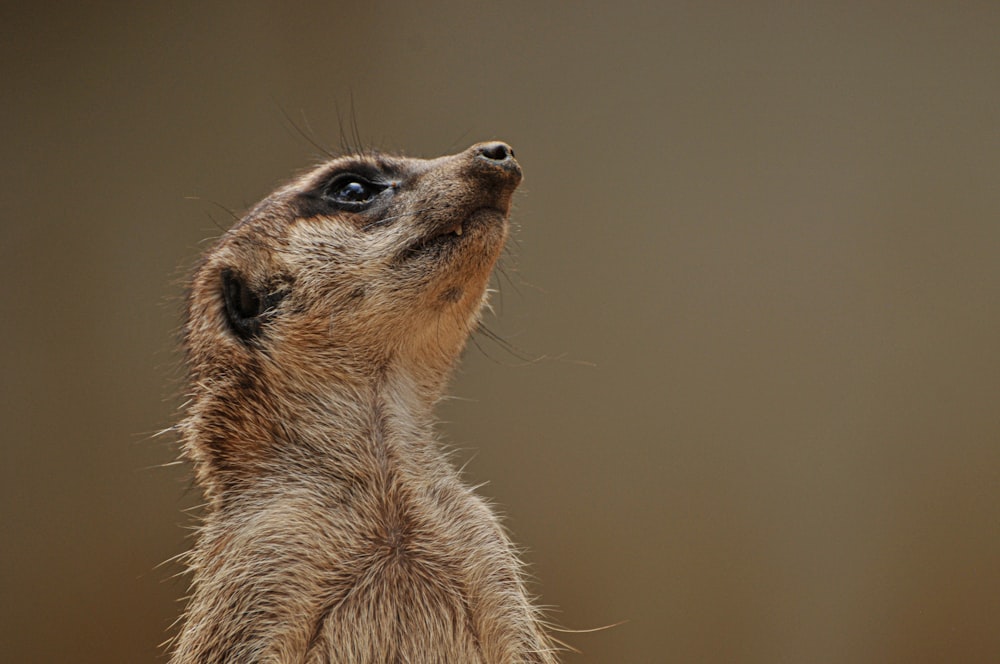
352 192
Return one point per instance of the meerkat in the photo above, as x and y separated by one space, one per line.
321 330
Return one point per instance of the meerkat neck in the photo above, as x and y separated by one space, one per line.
393 406
343 480
295 433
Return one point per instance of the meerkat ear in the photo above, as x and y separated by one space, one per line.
248 308
244 305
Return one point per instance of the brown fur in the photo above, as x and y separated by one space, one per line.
337 530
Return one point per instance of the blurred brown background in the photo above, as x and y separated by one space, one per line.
759 242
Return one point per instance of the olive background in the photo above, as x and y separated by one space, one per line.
747 403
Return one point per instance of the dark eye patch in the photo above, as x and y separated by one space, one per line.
353 192
247 308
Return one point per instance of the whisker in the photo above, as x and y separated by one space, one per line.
354 124
344 146
458 141
308 138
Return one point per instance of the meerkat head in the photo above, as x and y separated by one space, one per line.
365 261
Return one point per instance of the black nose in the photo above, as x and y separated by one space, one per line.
495 160
497 151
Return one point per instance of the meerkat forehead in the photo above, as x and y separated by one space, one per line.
367 253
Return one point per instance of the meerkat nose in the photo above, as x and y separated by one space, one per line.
497 159
497 151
